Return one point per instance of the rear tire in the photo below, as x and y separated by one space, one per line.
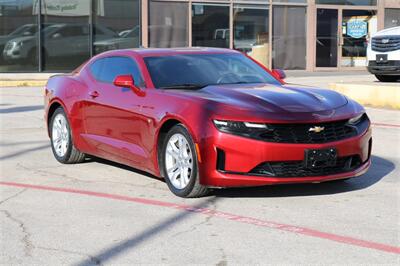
61 139
386 78
178 161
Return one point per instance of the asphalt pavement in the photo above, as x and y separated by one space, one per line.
102 213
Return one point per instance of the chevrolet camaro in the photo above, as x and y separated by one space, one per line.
204 118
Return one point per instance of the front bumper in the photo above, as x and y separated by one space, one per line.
244 154
391 67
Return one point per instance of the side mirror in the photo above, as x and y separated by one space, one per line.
126 81
279 73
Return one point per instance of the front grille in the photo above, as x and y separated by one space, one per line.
300 133
298 169
385 43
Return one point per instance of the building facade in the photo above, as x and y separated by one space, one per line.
58 35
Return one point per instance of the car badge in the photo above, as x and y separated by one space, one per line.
316 129
385 40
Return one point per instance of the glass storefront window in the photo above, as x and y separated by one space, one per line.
65 34
168 24
18 36
327 38
116 24
392 17
210 25
290 1
357 26
250 31
289 37
347 2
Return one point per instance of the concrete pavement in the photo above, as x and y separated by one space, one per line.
101 213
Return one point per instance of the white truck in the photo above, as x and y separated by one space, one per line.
383 54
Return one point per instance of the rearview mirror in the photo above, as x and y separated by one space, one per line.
279 73
126 81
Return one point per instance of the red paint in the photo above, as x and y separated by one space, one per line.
223 215
385 125
119 125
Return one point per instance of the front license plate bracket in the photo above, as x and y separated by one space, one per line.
317 158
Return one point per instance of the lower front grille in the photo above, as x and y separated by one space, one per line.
298 169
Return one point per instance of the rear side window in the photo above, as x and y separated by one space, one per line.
96 68
107 69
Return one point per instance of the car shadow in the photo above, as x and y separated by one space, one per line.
21 109
380 168
91 158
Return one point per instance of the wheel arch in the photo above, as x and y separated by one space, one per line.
53 106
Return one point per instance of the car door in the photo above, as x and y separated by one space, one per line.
113 120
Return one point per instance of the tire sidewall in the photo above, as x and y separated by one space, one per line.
63 159
181 129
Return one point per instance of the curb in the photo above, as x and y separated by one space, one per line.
371 95
22 83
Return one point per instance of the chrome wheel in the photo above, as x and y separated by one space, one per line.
60 135
179 161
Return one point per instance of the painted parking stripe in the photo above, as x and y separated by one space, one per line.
385 125
223 215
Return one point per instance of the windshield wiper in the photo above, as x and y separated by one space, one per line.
185 86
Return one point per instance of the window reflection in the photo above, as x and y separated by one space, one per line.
116 24
168 24
65 39
250 27
210 25
392 17
18 36
347 2
289 37
357 26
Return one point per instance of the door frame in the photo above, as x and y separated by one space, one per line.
340 9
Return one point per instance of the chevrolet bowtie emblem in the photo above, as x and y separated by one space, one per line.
316 129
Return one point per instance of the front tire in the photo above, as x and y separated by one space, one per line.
179 164
61 139
384 78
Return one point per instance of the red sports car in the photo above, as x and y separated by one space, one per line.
203 118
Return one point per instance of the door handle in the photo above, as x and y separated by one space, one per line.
94 94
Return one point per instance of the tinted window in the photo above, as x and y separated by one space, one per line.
96 68
205 69
107 69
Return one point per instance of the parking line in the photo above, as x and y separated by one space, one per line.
385 125
223 215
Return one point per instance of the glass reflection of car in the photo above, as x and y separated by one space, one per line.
24 30
60 40
125 39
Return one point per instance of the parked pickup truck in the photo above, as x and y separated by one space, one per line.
383 55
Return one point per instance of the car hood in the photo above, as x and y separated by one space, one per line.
386 32
272 98
23 39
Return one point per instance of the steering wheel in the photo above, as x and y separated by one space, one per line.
230 77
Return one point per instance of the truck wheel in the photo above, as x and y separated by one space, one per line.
385 78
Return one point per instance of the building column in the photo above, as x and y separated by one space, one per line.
145 23
311 32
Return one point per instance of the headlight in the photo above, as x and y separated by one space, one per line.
355 120
236 127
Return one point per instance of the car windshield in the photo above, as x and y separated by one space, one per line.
191 71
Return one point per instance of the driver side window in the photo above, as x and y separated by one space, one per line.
107 69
